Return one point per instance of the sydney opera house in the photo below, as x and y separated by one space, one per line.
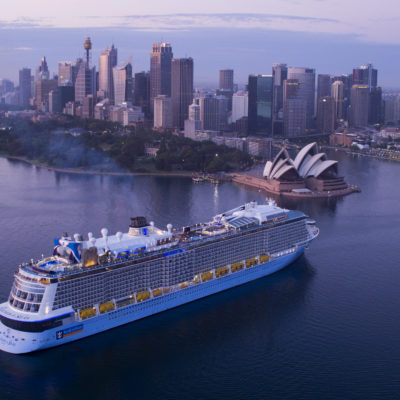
310 171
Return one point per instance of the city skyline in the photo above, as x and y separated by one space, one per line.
206 74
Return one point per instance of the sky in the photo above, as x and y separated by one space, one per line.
332 36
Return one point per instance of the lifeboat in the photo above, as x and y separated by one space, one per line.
108 306
166 290
251 262
236 267
264 258
87 312
157 292
206 276
141 296
221 271
183 285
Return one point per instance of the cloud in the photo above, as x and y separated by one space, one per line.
177 21
22 48
24 23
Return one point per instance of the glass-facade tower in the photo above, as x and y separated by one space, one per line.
260 89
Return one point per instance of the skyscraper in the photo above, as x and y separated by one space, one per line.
209 112
162 112
323 86
24 86
6 86
325 115
43 88
226 79
160 70
337 93
181 89
260 92
359 105
65 73
85 82
194 113
107 61
375 110
42 71
142 92
279 75
122 78
306 78
294 109
366 75
347 80
240 108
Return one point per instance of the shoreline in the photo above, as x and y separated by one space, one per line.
182 174
359 153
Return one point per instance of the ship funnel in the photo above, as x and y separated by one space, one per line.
169 228
119 235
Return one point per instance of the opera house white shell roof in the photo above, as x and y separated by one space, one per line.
307 163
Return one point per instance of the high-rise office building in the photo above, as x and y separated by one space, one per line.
325 115
85 82
162 112
6 86
375 107
226 79
294 109
337 93
122 78
279 75
66 94
209 112
88 106
54 106
260 92
142 92
392 109
160 70
181 89
24 86
359 105
43 88
348 83
323 86
223 110
65 73
108 59
194 113
306 78
42 71
240 106
366 75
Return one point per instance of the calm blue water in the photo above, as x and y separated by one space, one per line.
326 327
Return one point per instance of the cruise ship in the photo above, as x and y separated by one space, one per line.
89 286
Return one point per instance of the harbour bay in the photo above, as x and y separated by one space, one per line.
325 327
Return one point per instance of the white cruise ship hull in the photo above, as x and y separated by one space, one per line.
18 342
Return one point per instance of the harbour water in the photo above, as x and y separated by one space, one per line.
326 327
